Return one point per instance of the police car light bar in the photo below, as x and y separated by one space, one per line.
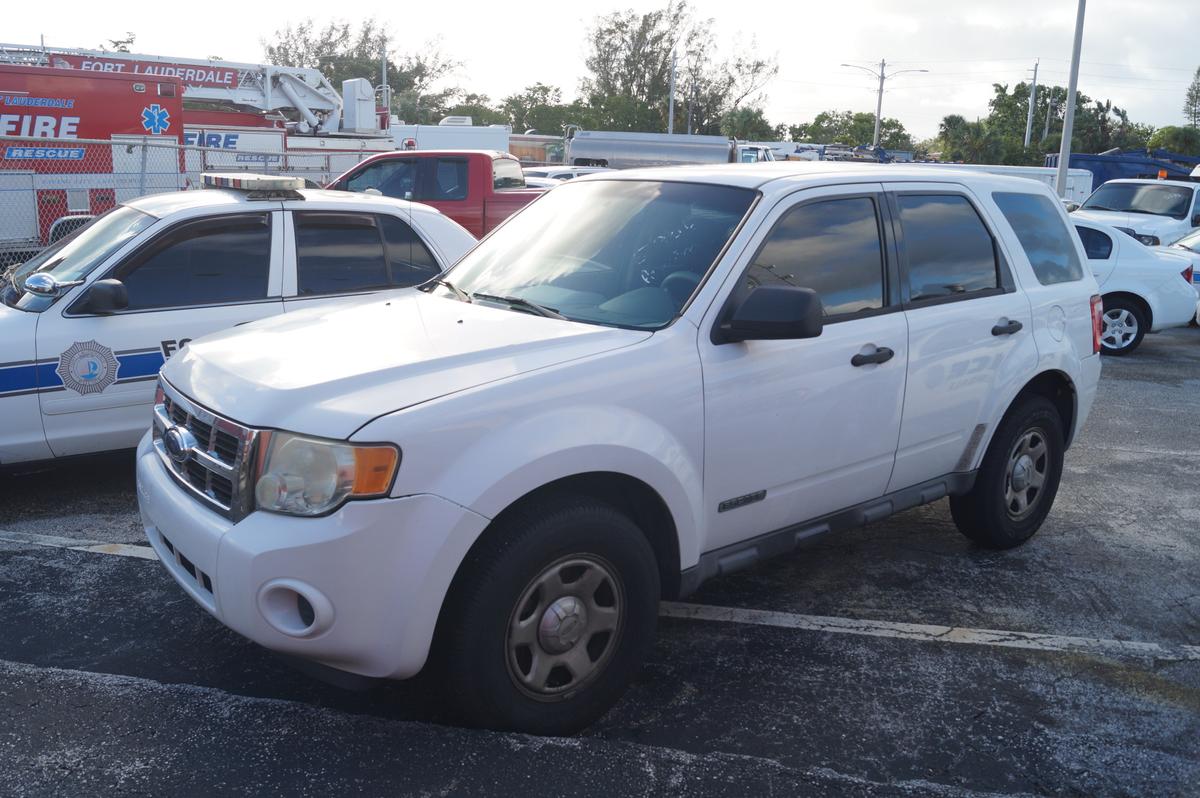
247 182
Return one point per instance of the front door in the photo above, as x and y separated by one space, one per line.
798 429
195 278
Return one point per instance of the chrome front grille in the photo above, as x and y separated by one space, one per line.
208 454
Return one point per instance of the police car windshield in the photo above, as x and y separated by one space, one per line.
623 253
1150 198
75 256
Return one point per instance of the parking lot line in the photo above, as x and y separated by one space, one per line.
930 633
75 544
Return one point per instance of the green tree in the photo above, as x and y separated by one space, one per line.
747 124
1191 101
479 107
540 107
1183 140
629 64
342 50
853 128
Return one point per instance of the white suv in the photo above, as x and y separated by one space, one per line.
643 380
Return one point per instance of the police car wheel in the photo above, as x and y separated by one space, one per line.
549 619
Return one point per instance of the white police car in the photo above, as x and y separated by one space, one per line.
86 324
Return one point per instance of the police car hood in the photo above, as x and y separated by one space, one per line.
326 372
1140 223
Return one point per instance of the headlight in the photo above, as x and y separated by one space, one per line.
310 476
1150 241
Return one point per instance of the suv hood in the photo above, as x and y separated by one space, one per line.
328 371
1143 223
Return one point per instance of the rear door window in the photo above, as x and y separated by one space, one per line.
1046 240
1097 245
831 246
338 253
396 177
443 179
948 250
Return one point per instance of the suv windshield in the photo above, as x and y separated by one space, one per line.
74 257
622 253
1158 200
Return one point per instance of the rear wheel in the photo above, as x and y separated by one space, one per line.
552 616
1124 326
1018 480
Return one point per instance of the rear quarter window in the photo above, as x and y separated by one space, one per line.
1045 238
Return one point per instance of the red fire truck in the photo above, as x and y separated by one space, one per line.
229 116
43 186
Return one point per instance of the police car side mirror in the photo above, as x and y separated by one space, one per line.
105 296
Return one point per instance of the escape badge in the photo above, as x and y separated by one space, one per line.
87 367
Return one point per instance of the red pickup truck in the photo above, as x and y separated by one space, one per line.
476 188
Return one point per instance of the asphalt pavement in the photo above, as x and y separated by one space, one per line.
892 660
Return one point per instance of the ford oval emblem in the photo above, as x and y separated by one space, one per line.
179 442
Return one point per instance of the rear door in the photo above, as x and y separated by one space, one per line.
333 256
197 277
968 326
1101 249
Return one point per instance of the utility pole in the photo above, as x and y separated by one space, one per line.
691 105
1064 150
1049 114
883 76
1032 104
671 100
385 92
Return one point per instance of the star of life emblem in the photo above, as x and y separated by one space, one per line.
87 367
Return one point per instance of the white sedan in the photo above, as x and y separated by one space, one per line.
86 324
1189 247
1145 289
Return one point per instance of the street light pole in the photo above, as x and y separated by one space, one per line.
1064 149
671 100
883 75
1032 102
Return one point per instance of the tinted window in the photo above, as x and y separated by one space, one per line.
506 173
208 263
409 260
338 252
393 178
949 251
1097 245
447 180
1046 240
832 247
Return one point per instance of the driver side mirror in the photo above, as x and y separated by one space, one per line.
772 313
104 297
1196 220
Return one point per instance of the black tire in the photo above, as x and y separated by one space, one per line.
1116 338
991 513
490 677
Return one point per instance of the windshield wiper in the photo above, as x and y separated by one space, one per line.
521 302
1096 208
458 292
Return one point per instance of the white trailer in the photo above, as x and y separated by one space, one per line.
452 133
1079 181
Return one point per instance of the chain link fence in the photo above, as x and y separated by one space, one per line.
51 187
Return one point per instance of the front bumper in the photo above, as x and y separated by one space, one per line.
374 574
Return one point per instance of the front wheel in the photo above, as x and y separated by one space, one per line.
1018 479
551 617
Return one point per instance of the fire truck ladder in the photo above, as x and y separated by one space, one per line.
261 86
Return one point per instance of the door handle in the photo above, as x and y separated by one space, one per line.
881 355
1007 328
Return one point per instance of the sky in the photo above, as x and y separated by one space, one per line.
1141 55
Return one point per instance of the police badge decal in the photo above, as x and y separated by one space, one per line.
87 367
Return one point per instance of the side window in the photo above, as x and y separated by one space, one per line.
213 262
448 181
337 253
1045 239
831 246
506 173
948 249
1097 245
393 178
409 260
